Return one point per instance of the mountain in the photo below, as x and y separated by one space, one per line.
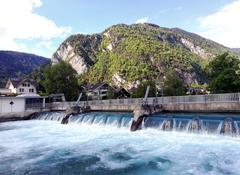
124 55
17 64
236 50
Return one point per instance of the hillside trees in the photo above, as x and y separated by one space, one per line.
224 74
173 85
140 91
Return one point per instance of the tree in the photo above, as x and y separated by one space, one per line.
38 76
111 94
173 85
224 74
141 90
61 78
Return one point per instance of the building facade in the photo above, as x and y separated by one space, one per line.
17 86
102 91
98 91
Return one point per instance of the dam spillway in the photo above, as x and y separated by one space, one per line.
96 118
195 123
55 116
116 119
190 123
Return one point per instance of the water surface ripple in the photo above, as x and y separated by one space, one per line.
47 147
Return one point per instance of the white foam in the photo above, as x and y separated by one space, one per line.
34 141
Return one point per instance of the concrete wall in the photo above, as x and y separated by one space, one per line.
203 107
229 102
113 107
179 107
18 105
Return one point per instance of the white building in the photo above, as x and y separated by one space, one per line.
17 86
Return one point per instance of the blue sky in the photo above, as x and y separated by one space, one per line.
39 26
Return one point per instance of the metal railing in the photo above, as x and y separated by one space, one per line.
211 98
230 97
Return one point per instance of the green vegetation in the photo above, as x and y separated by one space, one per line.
140 91
208 45
111 93
224 74
61 78
142 53
18 65
173 85
139 52
38 76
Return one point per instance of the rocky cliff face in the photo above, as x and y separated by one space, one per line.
79 50
124 55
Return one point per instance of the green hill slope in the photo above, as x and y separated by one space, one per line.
124 55
18 64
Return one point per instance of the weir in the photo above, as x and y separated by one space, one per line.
150 113
116 119
191 123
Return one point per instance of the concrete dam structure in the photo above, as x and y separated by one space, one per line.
189 123
198 113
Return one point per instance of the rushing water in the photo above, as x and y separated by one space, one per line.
92 144
195 123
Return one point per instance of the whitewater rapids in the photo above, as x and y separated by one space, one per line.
47 147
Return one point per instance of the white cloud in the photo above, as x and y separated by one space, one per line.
142 20
223 26
18 21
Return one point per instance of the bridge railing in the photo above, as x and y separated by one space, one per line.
113 102
229 97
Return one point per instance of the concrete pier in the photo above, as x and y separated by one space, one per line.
74 110
142 111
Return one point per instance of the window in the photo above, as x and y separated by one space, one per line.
28 85
21 90
31 90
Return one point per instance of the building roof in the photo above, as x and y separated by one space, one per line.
95 86
17 82
122 92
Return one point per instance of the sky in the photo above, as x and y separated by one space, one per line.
40 26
